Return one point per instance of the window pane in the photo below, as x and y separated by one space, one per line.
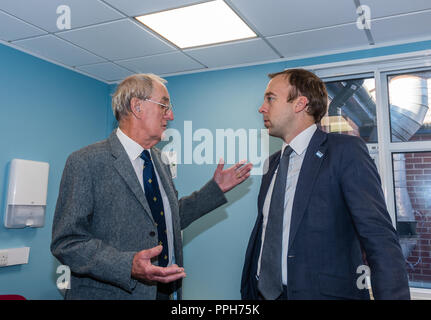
409 99
412 182
352 108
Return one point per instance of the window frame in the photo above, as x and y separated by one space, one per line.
381 68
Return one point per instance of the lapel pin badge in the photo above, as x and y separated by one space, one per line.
319 154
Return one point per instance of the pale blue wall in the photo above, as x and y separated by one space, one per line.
46 112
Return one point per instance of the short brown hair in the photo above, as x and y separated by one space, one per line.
307 84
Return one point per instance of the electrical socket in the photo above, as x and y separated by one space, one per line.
3 259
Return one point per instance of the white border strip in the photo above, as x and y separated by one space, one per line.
420 294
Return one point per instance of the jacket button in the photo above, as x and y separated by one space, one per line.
152 233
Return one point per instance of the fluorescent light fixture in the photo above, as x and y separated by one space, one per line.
198 25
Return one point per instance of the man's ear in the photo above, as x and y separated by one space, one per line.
301 104
135 107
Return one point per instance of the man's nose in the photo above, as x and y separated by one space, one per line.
170 115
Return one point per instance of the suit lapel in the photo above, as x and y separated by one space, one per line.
253 249
162 170
273 162
314 156
124 167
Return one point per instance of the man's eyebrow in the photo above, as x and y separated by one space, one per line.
269 93
165 99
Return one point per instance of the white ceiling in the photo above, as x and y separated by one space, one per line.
105 41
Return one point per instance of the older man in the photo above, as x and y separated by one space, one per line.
118 219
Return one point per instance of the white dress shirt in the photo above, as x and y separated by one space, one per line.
134 150
299 145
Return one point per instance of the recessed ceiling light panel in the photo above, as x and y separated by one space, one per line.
198 25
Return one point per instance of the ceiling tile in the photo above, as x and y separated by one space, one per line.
408 28
234 53
161 64
117 40
12 28
138 7
59 50
275 17
321 41
106 71
82 13
379 8
101 32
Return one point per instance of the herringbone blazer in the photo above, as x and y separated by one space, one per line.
102 219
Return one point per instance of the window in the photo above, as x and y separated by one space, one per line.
352 108
388 104
409 100
412 183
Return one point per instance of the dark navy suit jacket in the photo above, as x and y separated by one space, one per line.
339 213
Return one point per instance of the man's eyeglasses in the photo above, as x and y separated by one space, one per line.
165 107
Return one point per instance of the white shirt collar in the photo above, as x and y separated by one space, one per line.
133 149
300 143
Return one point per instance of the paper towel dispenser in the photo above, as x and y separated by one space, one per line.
27 192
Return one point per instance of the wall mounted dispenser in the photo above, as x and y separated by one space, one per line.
26 200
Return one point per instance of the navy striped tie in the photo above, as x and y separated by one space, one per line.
154 199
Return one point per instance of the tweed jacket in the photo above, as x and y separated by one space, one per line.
102 219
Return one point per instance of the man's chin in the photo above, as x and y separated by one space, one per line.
163 134
273 133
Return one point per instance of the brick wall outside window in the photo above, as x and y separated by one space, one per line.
418 175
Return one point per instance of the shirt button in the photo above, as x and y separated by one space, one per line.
152 233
